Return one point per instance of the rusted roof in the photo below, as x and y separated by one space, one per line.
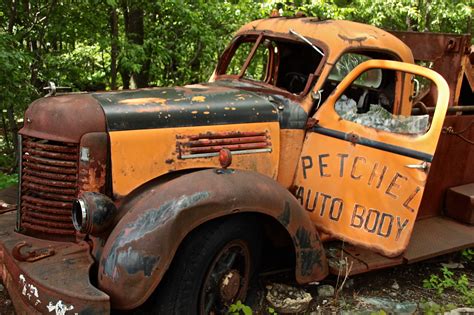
338 35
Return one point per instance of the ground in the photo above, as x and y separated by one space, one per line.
398 289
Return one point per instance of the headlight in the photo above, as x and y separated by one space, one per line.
93 213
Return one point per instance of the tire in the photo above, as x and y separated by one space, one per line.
212 268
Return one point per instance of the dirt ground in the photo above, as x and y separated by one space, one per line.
393 290
398 289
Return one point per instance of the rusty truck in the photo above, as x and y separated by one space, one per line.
313 139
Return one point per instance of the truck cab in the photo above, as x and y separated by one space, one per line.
308 135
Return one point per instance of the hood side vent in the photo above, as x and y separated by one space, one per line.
209 144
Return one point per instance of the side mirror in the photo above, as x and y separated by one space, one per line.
416 88
316 97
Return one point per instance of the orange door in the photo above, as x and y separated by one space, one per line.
362 170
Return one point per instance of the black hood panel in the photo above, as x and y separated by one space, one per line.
195 105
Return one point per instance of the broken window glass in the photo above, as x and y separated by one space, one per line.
347 62
378 117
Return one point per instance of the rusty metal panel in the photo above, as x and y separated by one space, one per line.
92 170
446 51
63 118
437 236
452 164
460 203
46 276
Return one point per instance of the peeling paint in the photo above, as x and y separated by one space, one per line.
135 231
284 218
134 262
29 290
303 238
308 259
60 308
198 99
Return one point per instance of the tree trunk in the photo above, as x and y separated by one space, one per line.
134 32
12 16
13 131
114 48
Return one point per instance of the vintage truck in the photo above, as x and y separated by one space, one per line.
308 148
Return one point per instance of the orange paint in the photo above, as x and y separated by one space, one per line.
360 194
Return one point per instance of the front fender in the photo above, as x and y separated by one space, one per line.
142 245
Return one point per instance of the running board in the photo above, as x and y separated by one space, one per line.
431 237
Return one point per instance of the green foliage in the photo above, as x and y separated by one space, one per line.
468 254
431 308
448 281
7 180
239 308
15 88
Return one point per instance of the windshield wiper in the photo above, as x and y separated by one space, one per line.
306 41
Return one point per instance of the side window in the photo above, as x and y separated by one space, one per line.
374 106
257 69
238 60
347 63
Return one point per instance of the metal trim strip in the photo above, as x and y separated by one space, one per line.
374 144
202 155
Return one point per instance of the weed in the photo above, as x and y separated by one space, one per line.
448 281
239 308
468 254
431 308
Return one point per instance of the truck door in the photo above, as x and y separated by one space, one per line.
363 167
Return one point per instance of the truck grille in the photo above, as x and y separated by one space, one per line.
48 187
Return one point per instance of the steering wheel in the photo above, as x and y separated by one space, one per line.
296 81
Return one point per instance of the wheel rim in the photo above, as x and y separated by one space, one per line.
227 279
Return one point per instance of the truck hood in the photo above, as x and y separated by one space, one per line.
193 105
63 118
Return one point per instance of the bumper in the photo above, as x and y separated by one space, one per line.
57 284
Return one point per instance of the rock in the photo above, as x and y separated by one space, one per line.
393 294
453 265
286 299
8 302
2 288
395 286
389 306
459 311
325 290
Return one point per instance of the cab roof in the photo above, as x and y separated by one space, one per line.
337 35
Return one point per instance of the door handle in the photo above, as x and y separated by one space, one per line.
422 166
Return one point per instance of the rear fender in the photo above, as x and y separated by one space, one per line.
142 245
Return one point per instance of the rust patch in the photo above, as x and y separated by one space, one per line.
359 39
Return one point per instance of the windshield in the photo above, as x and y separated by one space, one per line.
282 63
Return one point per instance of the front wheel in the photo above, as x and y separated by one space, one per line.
212 268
